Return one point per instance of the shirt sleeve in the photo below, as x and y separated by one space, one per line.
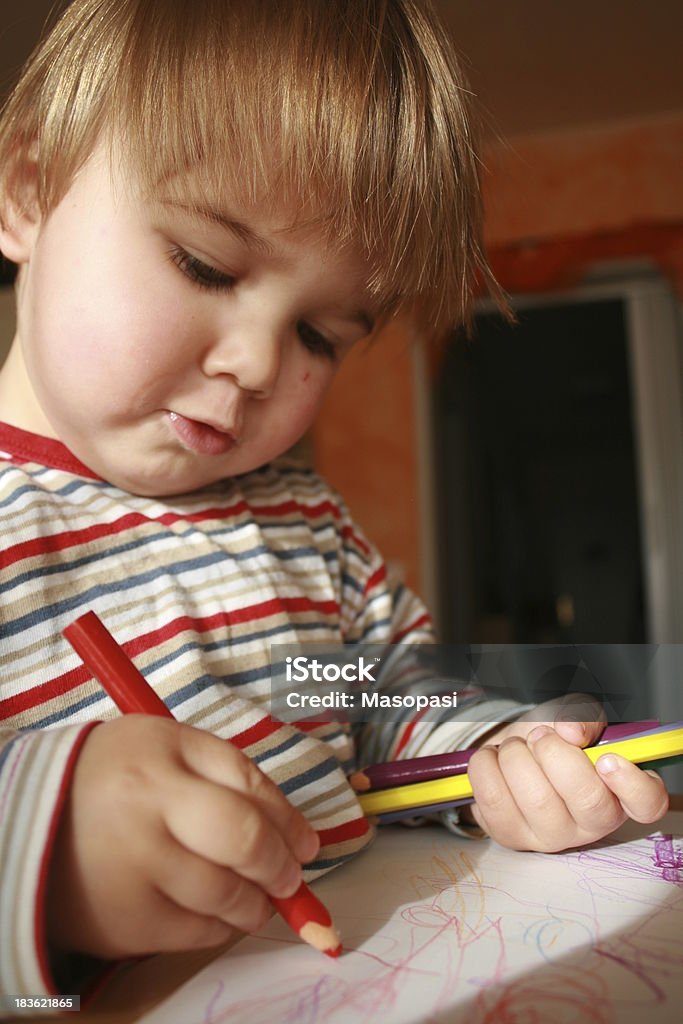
379 610
36 769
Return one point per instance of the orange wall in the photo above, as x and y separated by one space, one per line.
584 181
364 444
608 183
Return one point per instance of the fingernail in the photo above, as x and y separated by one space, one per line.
575 732
607 764
535 734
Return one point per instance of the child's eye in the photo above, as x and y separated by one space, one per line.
201 273
314 341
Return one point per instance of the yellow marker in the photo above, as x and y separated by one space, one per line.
637 749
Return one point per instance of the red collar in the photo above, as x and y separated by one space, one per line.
23 446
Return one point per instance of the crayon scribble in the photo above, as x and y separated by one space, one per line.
208 1018
668 858
442 930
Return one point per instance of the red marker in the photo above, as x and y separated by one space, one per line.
132 694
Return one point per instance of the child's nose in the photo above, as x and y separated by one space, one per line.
251 356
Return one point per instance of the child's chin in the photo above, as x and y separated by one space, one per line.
151 488
162 484
147 483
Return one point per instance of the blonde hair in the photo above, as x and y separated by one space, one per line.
357 109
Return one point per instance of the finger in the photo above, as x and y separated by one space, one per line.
225 827
542 807
642 794
580 707
151 923
579 734
577 717
590 804
471 814
520 728
218 761
204 888
580 719
495 803
180 929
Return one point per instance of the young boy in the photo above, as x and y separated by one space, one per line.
209 204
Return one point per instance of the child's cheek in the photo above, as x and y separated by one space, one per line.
307 397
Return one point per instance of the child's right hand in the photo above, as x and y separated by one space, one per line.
170 839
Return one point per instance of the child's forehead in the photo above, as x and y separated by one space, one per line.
229 205
261 215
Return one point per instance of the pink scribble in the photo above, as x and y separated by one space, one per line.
668 858
208 1018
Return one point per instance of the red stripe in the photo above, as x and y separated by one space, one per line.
308 726
378 576
39 910
423 620
348 533
255 733
343 833
61 685
72 538
408 732
308 511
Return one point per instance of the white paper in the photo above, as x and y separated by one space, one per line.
441 929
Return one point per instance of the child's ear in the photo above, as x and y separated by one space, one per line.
20 216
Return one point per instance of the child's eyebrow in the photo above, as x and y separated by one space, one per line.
236 227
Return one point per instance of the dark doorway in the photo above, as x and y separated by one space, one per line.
537 483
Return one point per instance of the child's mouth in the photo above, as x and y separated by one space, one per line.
200 437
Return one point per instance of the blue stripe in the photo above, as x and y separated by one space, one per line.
351 583
5 752
284 745
117 587
172 567
332 862
63 716
377 623
44 495
17 492
240 678
326 768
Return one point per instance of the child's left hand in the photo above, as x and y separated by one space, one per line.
536 790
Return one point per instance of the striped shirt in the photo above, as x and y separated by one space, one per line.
195 588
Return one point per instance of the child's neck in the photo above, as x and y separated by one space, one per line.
18 404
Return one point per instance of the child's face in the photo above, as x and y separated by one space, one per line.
168 349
